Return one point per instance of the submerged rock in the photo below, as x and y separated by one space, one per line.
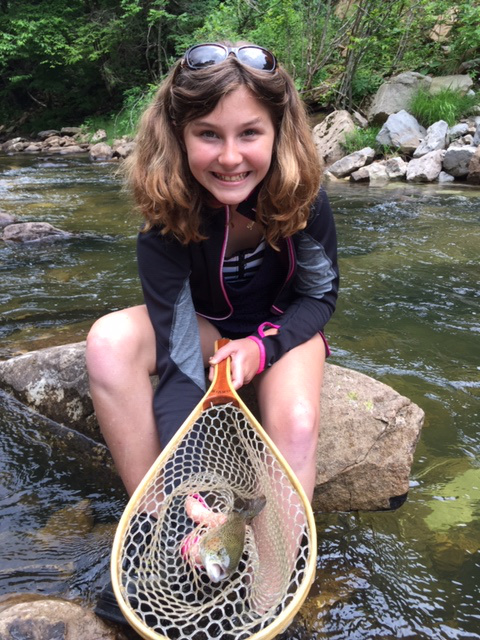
367 438
32 232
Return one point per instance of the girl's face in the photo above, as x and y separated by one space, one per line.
230 149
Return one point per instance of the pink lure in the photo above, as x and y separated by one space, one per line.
197 509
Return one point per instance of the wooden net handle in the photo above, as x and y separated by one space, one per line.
221 391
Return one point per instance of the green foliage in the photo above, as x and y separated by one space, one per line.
63 61
448 105
123 123
365 83
361 138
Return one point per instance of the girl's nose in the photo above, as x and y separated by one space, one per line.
230 155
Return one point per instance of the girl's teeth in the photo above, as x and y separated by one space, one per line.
236 178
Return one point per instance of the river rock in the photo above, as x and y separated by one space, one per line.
70 131
375 172
347 165
330 134
460 83
476 137
426 168
122 149
458 131
32 232
381 171
53 619
395 95
396 168
457 159
473 176
15 145
367 438
48 133
6 219
34 147
54 382
436 138
71 150
444 177
401 131
100 152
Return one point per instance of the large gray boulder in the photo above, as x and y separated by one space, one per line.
457 159
100 151
395 95
427 168
367 438
460 83
54 383
329 135
382 171
37 618
436 138
401 131
354 161
473 176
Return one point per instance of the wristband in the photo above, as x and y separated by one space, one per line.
261 366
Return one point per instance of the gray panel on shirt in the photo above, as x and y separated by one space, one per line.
315 273
185 349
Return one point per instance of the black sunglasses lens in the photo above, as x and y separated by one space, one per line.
205 56
257 58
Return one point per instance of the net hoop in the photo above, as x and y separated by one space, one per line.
163 553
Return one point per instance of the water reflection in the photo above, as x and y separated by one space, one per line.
408 315
58 509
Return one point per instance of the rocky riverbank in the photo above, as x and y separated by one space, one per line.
70 141
440 153
411 152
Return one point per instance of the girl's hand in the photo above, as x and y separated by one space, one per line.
245 356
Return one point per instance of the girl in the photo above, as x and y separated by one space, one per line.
239 241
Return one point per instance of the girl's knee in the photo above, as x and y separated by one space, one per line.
115 341
296 426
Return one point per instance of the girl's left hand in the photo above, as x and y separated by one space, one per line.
245 355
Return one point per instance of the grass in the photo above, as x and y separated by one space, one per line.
448 105
361 138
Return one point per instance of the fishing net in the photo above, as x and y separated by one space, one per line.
222 458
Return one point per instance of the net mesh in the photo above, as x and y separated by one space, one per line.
220 461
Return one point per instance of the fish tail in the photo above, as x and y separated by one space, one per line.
253 507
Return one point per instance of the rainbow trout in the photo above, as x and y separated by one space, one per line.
220 550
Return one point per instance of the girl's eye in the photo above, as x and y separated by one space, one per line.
208 134
250 132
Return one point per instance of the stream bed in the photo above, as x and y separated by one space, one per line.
408 315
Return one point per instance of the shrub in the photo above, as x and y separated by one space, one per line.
447 104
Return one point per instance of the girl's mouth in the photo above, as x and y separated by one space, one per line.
225 178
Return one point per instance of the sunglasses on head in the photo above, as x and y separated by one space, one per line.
206 55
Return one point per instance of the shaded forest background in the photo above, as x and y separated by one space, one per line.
74 62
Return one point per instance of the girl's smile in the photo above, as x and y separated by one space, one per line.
230 149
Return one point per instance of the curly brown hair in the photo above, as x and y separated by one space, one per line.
163 187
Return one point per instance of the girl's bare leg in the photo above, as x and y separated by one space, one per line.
289 400
120 359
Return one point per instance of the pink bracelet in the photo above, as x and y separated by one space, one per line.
261 366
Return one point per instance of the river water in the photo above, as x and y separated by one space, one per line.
408 315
